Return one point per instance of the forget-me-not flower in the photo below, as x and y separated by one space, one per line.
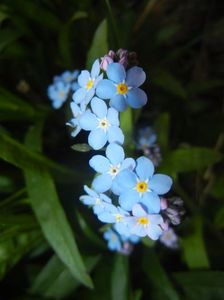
144 224
109 167
142 186
88 82
117 216
122 88
113 240
77 111
58 93
98 202
103 125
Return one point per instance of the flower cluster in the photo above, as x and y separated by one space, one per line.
58 92
126 193
147 142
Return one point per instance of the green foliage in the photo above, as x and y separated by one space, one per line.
120 277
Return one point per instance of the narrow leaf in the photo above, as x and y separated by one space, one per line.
51 216
120 277
99 46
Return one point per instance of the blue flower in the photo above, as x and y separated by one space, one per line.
69 77
144 224
103 125
109 167
77 111
169 239
142 186
58 93
88 82
98 202
113 238
146 137
115 215
123 88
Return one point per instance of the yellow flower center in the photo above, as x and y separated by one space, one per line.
118 217
61 94
141 186
89 84
104 124
143 221
122 88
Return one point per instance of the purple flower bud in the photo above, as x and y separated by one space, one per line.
163 203
105 61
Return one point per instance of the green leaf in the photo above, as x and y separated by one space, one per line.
189 159
24 158
78 15
168 82
161 284
7 36
193 245
50 214
120 277
126 124
162 127
81 147
90 234
13 107
206 285
99 46
37 13
56 281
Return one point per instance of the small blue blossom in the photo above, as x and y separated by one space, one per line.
115 215
113 238
58 93
88 82
122 88
98 202
142 186
144 224
169 239
103 125
109 167
77 111
146 137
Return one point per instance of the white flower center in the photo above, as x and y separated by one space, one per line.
103 124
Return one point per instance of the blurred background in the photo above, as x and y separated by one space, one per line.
50 242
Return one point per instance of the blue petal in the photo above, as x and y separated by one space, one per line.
126 179
116 189
88 121
76 131
160 183
151 201
139 230
156 219
128 163
105 198
106 217
89 95
116 72
99 107
79 95
95 71
83 78
89 191
115 153
122 228
118 102
105 89
97 139
138 211
136 98
113 116
154 232
145 168
135 77
128 199
102 183
87 200
75 109
115 134
99 163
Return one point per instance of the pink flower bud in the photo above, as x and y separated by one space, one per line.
163 203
